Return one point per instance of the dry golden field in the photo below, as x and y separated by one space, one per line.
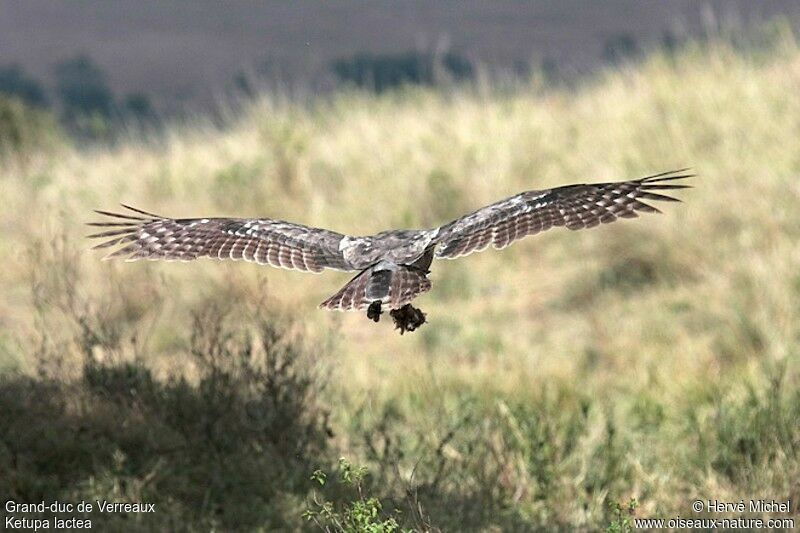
654 359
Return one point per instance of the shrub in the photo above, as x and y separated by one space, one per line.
25 130
15 82
227 448
621 521
621 47
492 464
362 514
388 71
83 89
753 434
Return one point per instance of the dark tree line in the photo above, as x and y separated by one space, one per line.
387 71
84 102
81 95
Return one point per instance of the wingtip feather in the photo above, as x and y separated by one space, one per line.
136 210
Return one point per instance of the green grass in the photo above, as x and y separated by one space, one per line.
557 381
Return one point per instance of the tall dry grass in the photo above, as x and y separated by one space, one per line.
655 358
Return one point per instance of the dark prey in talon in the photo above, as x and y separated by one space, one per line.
407 318
392 266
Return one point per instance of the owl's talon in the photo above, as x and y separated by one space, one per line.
374 311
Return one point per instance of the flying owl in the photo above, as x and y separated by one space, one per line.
392 266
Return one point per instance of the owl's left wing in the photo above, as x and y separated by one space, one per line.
574 206
143 235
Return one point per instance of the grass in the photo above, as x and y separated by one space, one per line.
653 360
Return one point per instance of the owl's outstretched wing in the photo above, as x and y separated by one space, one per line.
574 206
142 235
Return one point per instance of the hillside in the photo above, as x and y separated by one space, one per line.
654 359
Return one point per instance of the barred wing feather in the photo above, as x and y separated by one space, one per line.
142 235
573 206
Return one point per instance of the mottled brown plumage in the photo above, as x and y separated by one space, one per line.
392 265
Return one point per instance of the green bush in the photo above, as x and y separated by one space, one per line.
25 130
14 82
753 434
622 517
83 88
362 514
388 71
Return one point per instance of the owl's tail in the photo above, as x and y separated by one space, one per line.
392 285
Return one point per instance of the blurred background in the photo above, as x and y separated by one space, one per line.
574 380
141 58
